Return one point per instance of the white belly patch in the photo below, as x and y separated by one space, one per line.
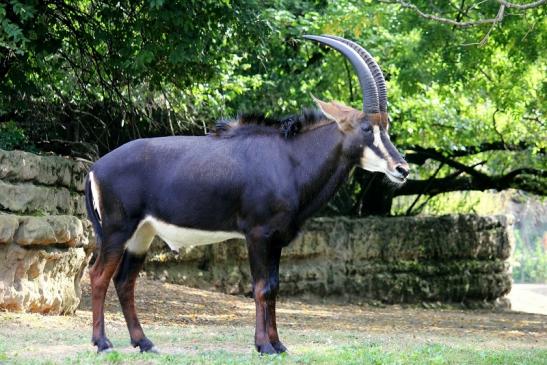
176 237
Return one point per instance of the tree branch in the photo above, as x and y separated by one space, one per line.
460 24
531 5
431 179
527 179
419 155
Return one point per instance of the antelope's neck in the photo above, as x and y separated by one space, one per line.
320 167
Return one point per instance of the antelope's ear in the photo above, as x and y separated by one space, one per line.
344 116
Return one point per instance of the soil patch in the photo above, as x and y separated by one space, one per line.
167 304
182 320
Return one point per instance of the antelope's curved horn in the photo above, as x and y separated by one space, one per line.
366 80
374 69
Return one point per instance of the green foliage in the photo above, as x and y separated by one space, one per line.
107 72
529 261
11 34
12 137
430 354
446 91
70 69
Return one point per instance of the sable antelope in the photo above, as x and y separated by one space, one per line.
253 178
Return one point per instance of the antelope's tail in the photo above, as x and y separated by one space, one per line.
94 217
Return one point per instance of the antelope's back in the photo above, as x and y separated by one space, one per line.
189 181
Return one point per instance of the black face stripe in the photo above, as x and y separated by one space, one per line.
377 151
392 151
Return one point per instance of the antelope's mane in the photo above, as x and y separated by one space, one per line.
259 124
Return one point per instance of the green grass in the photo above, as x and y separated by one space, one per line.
215 345
29 339
431 354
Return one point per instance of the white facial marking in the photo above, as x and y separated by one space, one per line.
96 195
370 161
377 139
175 236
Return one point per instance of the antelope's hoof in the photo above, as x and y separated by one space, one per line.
103 345
279 347
145 345
266 349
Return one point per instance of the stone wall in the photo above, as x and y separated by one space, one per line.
44 243
33 184
460 258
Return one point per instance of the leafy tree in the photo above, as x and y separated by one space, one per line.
107 71
466 85
467 103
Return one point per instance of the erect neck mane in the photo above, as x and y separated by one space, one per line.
255 124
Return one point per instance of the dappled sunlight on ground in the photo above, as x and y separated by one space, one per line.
182 320
171 304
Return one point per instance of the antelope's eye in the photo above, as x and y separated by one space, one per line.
367 129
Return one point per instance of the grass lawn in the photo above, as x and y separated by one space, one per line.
355 354
231 345
212 344
192 326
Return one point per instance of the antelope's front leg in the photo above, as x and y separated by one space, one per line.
264 258
271 324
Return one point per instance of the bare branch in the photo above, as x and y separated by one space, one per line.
531 5
499 17
418 155
460 24
431 178
527 179
494 124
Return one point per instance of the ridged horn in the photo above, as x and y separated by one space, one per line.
374 69
366 80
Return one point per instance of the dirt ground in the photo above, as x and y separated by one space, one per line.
175 305
179 319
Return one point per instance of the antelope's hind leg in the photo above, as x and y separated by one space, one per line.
125 280
106 263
